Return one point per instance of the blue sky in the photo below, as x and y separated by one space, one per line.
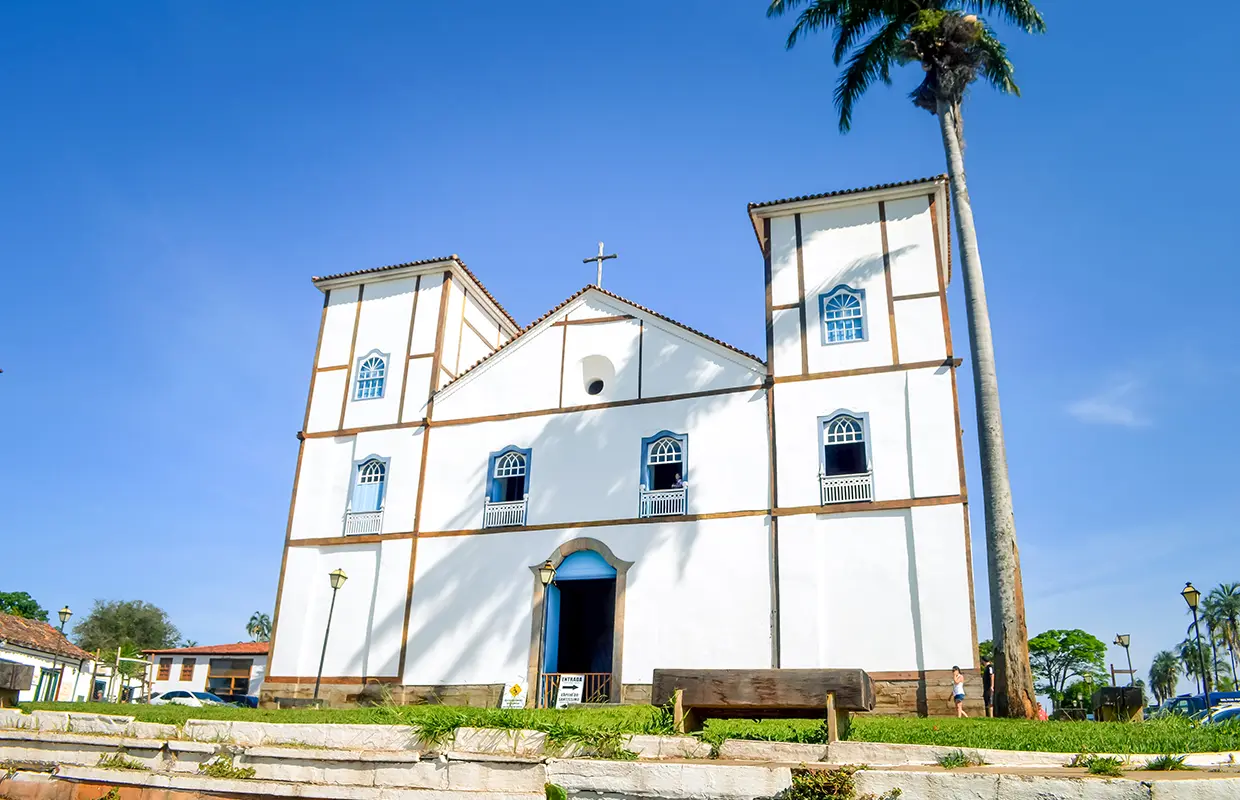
175 172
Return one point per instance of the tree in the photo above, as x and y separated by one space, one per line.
1221 611
115 623
1059 655
21 604
1079 694
954 49
986 651
1164 675
259 627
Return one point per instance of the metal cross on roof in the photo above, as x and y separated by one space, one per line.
600 258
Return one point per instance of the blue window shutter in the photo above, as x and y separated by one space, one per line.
551 631
584 565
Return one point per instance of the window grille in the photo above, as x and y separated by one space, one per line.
370 377
510 465
665 451
843 317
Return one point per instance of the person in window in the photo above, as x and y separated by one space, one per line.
679 482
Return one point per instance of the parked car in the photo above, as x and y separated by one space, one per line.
1229 713
1190 705
183 698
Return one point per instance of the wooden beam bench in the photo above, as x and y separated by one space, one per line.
699 694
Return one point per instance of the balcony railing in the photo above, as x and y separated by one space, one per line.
663 502
503 515
360 522
857 488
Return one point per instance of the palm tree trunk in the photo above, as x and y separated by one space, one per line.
1013 678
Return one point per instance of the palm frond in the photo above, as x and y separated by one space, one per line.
818 16
778 8
853 24
872 62
1021 13
993 63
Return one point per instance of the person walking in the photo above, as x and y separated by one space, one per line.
958 691
988 686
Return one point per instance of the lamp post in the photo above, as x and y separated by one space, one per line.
1192 596
337 578
1122 639
57 670
546 576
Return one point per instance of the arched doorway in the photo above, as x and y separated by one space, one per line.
579 623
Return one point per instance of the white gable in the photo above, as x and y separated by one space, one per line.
595 337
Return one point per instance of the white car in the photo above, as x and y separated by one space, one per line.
183 698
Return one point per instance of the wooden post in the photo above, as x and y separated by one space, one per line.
833 724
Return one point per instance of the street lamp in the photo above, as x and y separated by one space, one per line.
1122 639
546 575
65 613
57 669
337 578
1192 596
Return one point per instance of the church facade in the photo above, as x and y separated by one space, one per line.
606 491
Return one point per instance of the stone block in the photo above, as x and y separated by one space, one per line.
207 730
931 785
1039 787
492 776
421 775
486 740
530 743
1195 789
11 718
150 730
669 780
106 724
777 752
50 720
656 747
369 737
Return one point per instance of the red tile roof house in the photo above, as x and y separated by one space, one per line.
231 671
62 669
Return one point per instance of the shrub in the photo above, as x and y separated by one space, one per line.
1167 762
960 758
119 760
1104 765
221 766
824 784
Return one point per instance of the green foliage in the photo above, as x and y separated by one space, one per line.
953 46
114 623
259 627
119 760
823 784
1080 694
555 792
1167 763
986 651
221 766
21 604
1164 675
959 758
1057 656
1109 766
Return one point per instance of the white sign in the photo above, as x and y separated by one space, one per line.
514 695
570 691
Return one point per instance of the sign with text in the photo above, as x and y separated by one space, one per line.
514 695
570 691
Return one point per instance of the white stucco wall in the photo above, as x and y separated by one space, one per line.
473 599
586 465
338 327
527 375
72 686
382 327
910 567
369 614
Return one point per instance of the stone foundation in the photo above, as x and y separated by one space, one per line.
905 694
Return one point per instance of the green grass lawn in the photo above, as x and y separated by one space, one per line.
1171 735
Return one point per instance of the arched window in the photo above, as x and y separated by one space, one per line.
370 377
368 486
843 315
509 475
663 465
843 446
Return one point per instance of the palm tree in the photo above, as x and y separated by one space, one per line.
1221 610
954 49
1164 675
259 627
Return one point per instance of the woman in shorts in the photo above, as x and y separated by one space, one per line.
958 691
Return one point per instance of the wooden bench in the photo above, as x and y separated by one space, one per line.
698 694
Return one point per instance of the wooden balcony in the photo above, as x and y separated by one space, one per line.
858 488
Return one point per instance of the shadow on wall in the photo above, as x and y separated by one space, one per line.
468 570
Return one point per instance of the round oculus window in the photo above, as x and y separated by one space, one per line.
595 387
